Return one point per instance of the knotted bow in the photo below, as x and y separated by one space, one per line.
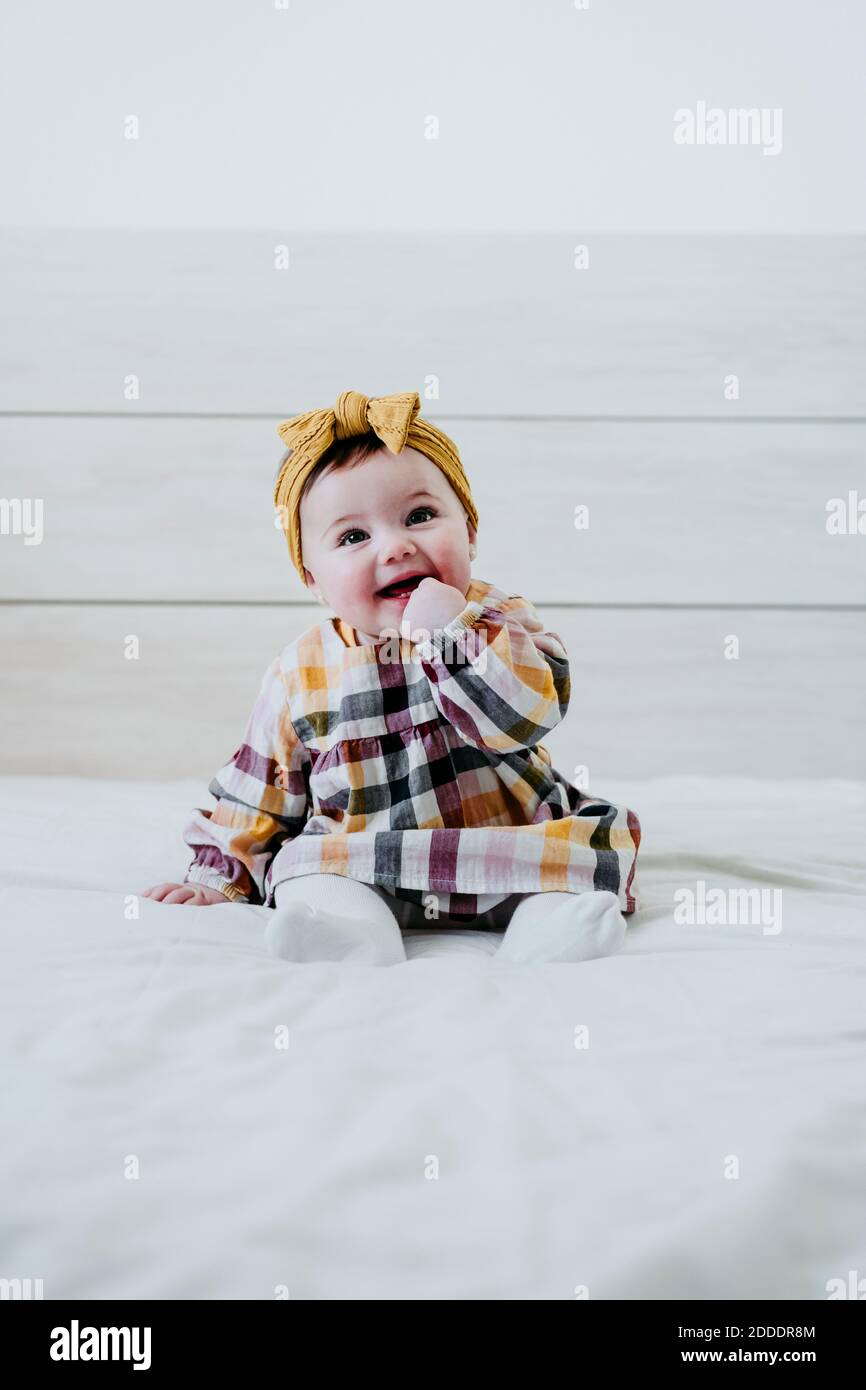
393 418
390 417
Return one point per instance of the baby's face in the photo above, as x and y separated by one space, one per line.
371 522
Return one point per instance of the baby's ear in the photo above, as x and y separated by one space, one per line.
313 588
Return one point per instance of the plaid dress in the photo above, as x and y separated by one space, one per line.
417 768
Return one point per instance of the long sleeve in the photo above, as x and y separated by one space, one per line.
262 797
497 675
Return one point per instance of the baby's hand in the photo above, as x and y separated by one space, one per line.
433 605
195 893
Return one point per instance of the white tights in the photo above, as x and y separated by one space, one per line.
547 927
330 917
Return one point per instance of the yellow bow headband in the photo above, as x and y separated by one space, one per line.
394 419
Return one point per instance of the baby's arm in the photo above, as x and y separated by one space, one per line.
497 675
262 800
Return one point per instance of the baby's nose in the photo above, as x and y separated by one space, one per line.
395 547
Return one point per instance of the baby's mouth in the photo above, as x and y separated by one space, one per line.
402 589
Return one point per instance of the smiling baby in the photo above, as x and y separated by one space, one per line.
391 774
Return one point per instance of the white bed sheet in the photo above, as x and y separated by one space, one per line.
431 1131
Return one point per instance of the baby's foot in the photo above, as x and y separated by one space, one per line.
549 927
304 934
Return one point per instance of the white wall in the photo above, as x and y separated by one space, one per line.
603 383
551 118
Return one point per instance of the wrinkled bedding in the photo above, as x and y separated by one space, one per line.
186 1117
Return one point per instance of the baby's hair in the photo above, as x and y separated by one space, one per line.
341 454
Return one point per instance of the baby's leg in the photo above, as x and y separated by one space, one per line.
330 917
547 927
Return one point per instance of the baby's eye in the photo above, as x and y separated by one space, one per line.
356 532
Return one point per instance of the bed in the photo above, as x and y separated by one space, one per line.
187 1117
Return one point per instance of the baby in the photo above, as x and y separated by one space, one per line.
391 775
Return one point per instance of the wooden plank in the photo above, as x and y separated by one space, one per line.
505 322
652 692
183 509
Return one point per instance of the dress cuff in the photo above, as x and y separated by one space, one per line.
452 632
209 878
